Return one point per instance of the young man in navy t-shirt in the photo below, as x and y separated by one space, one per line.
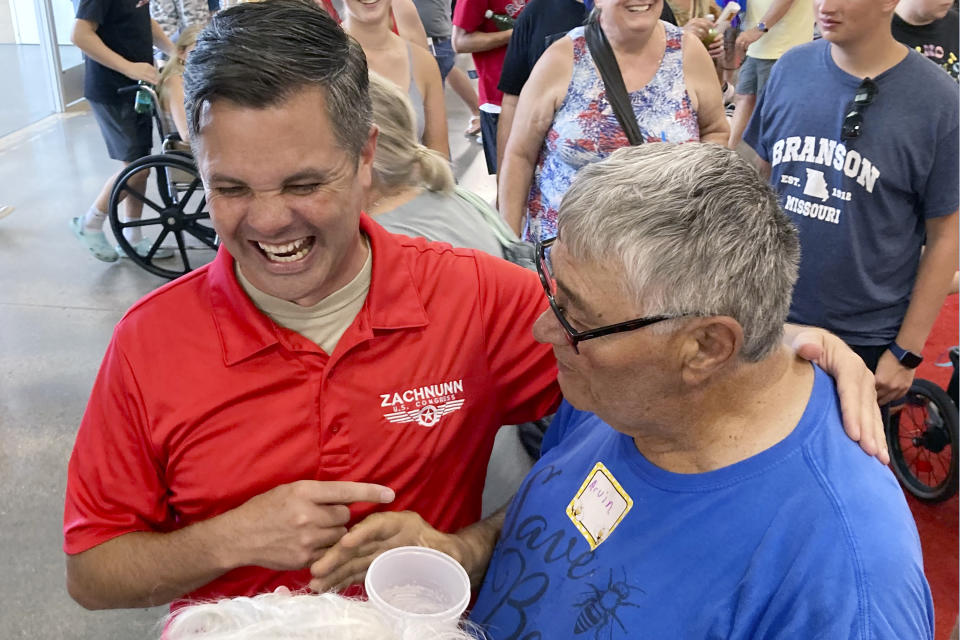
859 134
117 38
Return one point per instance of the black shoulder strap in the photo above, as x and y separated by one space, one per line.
612 80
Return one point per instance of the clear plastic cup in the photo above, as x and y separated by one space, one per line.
418 584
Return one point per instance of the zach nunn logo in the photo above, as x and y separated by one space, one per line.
424 405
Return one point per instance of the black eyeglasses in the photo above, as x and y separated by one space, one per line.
853 121
545 270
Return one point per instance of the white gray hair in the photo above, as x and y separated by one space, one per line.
695 230
305 616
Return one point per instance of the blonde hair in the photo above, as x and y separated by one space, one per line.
400 160
174 66
703 8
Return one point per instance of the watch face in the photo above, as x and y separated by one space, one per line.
911 360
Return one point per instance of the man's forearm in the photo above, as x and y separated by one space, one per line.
476 543
144 569
775 13
476 41
934 278
90 43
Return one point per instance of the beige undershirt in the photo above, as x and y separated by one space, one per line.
325 322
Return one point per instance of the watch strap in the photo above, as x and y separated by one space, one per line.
907 358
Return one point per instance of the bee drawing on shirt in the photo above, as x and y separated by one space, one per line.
598 608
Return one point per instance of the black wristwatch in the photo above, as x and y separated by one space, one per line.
762 26
908 359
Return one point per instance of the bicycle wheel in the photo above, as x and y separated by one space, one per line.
922 438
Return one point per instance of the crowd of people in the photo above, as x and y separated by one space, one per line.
723 289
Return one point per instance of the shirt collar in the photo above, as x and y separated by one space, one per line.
393 302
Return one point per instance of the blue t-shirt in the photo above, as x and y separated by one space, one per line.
860 205
810 539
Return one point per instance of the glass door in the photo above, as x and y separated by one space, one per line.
25 64
70 57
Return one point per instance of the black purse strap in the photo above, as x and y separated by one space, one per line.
606 62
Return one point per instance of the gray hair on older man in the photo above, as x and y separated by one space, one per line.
696 231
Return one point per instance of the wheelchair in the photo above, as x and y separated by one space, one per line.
922 438
175 196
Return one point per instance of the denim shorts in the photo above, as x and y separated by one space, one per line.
442 49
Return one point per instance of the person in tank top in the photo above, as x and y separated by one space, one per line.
411 68
564 122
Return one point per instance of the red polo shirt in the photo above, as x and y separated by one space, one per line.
202 402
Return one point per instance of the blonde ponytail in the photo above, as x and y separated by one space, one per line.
434 170
400 160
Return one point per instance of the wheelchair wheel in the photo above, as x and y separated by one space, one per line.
180 212
922 438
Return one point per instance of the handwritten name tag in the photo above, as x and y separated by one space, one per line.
599 505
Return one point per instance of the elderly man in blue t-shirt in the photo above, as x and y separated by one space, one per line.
860 136
696 482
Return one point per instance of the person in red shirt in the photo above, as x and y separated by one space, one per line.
220 455
319 371
474 32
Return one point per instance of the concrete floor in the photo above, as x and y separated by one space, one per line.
58 306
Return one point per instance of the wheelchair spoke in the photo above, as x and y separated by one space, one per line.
205 235
183 251
189 193
156 245
142 198
194 217
140 222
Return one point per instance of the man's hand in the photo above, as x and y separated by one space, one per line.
289 526
893 379
346 562
747 38
142 71
856 387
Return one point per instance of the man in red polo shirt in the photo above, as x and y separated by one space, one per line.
474 32
318 371
236 407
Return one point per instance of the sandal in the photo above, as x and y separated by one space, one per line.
474 127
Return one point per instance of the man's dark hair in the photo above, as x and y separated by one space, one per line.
260 54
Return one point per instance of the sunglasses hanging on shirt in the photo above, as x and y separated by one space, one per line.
853 121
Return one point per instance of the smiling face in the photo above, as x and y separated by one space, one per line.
845 22
284 196
367 10
640 15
